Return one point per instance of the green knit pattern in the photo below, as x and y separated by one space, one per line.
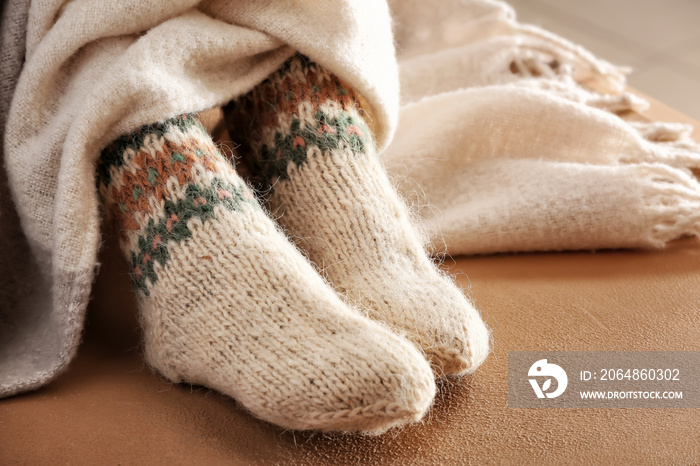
300 109
274 159
152 245
144 180
113 154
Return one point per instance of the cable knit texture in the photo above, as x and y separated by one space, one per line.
304 136
229 303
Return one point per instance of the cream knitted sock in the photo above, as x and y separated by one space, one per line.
303 132
227 302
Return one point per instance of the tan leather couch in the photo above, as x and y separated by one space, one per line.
110 409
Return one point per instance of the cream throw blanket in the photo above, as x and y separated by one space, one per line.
505 145
507 136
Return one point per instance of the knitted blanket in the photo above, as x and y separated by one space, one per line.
504 138
513 139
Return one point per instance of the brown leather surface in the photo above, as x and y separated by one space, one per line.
109 409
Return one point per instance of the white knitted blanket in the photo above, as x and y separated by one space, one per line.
509 138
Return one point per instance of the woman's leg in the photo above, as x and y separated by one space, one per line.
304 134
227 302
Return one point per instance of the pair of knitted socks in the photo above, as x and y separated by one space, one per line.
227 301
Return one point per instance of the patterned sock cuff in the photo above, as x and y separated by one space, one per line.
154 181
299 110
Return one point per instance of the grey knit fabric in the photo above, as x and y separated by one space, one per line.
29 354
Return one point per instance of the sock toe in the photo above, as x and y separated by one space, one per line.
459 342
434 314
467 351
398 389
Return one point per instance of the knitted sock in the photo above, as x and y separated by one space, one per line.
227 302
304 134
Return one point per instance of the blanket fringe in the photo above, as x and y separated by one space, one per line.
667 154
589 71
672 200
572 71
565 86
667 143
665 132
620 103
